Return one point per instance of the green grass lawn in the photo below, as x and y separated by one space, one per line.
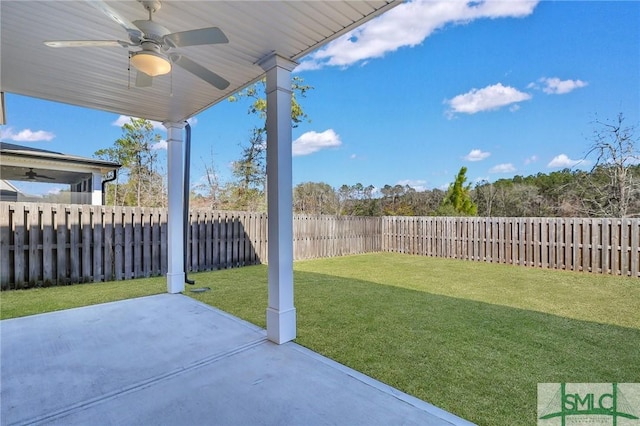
471 338
19 303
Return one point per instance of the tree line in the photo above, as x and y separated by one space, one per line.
565 193
611 188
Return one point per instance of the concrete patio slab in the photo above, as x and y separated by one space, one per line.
171 360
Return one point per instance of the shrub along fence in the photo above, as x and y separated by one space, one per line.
53 244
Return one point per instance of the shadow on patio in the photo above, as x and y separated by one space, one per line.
169 359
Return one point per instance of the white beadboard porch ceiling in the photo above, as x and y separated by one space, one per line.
98 77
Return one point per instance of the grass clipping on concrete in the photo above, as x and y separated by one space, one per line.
472 338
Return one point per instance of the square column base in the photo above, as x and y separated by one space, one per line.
175 283
281 325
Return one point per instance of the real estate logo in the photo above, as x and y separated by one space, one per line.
574 404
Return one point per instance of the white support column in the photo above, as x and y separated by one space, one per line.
175 244
281 315
96 188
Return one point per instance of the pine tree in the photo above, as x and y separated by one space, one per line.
458 200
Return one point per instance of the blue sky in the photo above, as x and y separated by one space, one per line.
503 88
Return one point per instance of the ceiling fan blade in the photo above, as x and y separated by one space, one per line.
143 80
211 35
200 71
134 33
31 175
87 43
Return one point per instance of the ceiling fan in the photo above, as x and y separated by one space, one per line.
155 57
31 175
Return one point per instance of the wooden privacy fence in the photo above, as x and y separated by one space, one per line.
329 236
50 244
605 246
53 244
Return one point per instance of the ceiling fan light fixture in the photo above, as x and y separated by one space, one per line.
151 63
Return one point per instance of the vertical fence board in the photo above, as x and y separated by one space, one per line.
587 226
477 242
6 214
236 243
98 246
48 241
129 220
576 234
155 244
606 246
33 223
596 246
75 246
544 248
164 250
208 247
138 214
108 243
635 248
615 243
147 226
624 246
228 232
85 243
192 242
216 240
19 233
62 250
522 248
119 253
560 247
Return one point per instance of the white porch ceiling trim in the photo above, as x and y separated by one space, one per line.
99 78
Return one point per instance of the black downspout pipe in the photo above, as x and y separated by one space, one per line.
105 182
185 202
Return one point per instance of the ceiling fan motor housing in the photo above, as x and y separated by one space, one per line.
152 31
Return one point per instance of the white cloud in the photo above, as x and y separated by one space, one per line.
555 86
563 160
125 119
54 191
162 144
408 25
26 135
311 142
476 155
531 159
122 120
503 168
353 156
486 99
417 184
